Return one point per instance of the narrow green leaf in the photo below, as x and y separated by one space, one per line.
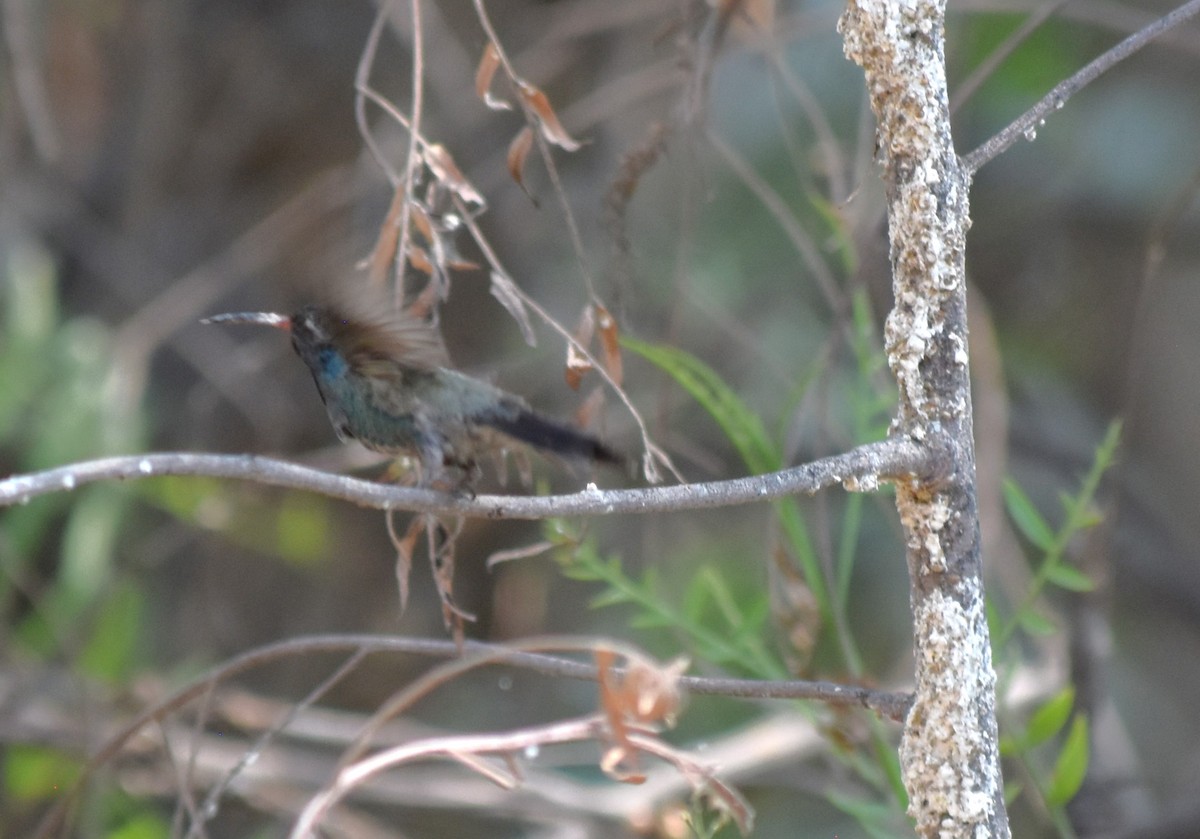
1071 766
1049 719
1068 577
1035 624
651 620
111 648
578 571
741 425
142 826
611 597
1009 746
1028 520
878 820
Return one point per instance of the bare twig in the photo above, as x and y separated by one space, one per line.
892 705
968 86
29 78
362 84
860 469
1028 123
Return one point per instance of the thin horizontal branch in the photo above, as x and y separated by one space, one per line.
892 705
862 468
1029 122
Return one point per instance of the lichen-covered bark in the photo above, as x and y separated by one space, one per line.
949 749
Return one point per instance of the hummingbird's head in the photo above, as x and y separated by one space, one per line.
333 340
315 333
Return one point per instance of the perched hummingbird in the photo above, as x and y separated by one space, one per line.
386 382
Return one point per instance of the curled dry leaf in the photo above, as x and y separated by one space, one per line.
508 555
587 411
443 167
389 239
404 552
577 365
488 62
794 609
646 694
539 104
610 343
442 559
418 259
518 153
421 221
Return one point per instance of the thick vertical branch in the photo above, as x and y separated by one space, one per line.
949 749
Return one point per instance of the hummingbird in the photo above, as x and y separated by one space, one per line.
386 382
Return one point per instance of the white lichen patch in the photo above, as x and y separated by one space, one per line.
947 756
923 521
861 483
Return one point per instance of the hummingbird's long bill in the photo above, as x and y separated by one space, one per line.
261 318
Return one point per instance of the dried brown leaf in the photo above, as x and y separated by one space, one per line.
577 367
460 264
404 545
388 240
586 414
484 74
551 128
610 344
442 559
422 305
518 153
421 221
536 549
794 609
752 17
418 259
443 167
614 705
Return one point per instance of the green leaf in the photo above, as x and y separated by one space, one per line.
1009 746
1068 577
611 597
1071 766
877 819
141 826
696 598
741 425
36 773
1028 520
1035 624
111 648
845 250
1049 719
302 528
651 620
575 570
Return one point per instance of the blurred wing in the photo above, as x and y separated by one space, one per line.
378 343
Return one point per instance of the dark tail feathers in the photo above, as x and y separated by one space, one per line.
553 436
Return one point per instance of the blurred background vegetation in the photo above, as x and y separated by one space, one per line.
163 160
